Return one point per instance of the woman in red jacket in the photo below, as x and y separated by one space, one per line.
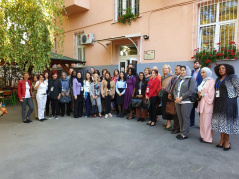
152 95
25 97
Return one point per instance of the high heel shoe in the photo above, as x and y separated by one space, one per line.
226 149
149 123
219 146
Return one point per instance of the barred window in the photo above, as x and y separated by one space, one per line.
120 7
217 22
80 49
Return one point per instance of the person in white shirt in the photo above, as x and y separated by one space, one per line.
41 88
46 74
87 82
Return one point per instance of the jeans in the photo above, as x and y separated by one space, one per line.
27 101
87 105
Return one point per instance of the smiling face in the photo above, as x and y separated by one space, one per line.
54 76
63 76
183 72
196 65
146 72
46 75
130 73
222 70
95 76
116 72
177 70
41 78
87 76
141 77
203 74
153 74
78 75
165 70
35 78
121 75
74 73
107 76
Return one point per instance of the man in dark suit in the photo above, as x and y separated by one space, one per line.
196 73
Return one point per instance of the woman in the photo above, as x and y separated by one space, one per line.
41 96
130 90
72 77
95 94
151 94
65 95
107 93
147 73
54 92
115 78
78 91
206 93
103 74
225 111
24 95
166 79
184 88
140 88
120 91
87 82
34 93
46 74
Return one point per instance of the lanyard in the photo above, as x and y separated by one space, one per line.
219 83
204 83
140 84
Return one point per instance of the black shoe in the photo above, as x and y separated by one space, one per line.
149 123
172 129
51 117
219 146
41 120
142 119
119 115
56 117
139 119
122 116
26 121
45 119
200 139
226 149
47 114
175 132
29 120
180 137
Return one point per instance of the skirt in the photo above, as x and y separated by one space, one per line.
120 99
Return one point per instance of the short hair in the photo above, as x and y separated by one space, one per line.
148 70
117 71
229 69
155 71
156 68
25 73
178 66
42 76
169 67
53 72
90 76
197 60
92 67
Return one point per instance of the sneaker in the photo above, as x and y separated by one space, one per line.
56 117
106 116
86 116
51 117
110 115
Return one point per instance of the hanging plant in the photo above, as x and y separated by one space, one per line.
127 17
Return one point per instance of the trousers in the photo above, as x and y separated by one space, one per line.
55 107
27 102
41 102
152 108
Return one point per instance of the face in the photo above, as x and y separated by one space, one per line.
107 76
222 70
46 75
78 75
141 76
104 72
203 74
74 73
63 76
95 77
177 71
41 78
26 76
183 72
196 65
165 70
87 76
146 71
131 66
130 73
153 74
35 79
54 76
121 75
116 73
92 70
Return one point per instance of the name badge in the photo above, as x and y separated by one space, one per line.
140 92
52 88
82 88
217 93
147 90
108 90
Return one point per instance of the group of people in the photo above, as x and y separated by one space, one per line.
174 96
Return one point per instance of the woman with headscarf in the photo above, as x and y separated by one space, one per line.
130 90
184 88
166 79
78 91
65 95
206 93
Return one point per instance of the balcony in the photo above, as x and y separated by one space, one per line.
76 6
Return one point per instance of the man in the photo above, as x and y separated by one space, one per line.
177 71
92 69
196 74
128 67
70 71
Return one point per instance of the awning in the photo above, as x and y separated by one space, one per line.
60 58
119 37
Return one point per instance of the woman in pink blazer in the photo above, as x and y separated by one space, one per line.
206 93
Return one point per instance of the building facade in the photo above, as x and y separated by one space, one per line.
164 32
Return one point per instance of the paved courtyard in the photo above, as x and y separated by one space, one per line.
107 149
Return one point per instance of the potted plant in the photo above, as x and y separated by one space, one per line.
127 17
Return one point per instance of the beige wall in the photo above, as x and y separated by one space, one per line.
172 30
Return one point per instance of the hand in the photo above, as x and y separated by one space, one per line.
140 96
62 94
96 97
67 94
132 95
75 97
170 97
21 100
178 100
120 94
113 97
199 93
147 97
59 97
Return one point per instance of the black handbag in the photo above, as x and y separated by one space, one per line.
146 104
136 103
65 99
94 110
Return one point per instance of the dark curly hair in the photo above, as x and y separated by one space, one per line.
229 69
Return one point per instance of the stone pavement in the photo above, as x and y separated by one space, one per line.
107 149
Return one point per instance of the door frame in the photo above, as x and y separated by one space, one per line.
125 59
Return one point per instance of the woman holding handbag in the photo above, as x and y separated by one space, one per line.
78 91
87 82
95 97
120 91
206 93
65 95
140 88
108 93
151 94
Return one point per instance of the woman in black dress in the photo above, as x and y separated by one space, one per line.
225 111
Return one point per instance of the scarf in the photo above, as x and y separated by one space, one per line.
108 83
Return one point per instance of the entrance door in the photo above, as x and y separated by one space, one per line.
123 63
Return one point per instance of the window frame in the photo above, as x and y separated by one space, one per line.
217 25
81 47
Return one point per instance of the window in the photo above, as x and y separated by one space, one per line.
217 23
120 7
80 49
127 50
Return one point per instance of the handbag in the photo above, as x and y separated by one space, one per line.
170 108
136 103
160 94
194 97
94 109
146 104
65 99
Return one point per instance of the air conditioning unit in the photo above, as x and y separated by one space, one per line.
87 38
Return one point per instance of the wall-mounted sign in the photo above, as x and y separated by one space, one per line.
149 55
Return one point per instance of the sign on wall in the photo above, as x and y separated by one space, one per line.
149 55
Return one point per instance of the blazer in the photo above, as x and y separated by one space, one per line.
77 88
232 85
199 77
56 84
104 88
186 89
94 91
22 89
143 88
153 86
205 105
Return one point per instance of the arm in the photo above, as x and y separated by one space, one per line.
113 88
74 88
19 91
123 92
235 83
134 84
154 89
210 93
37 85
191 89
102 89
117 91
